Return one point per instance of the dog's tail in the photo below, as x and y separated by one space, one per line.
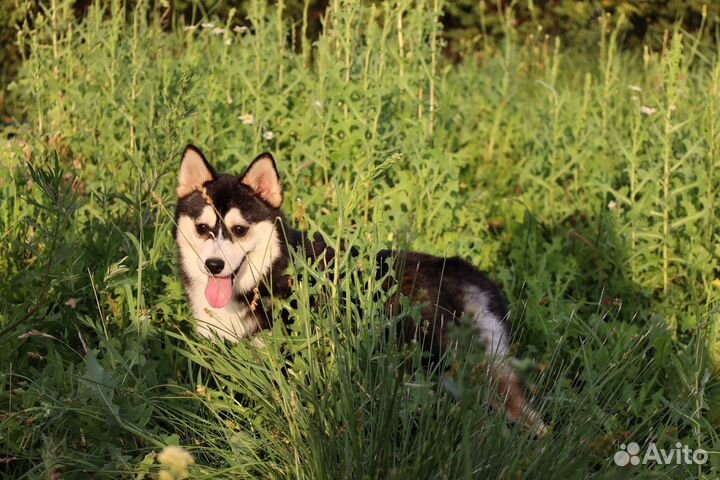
489 313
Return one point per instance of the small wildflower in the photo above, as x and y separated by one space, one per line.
228 41
239 29
269 135
207 25
612 205
190 28
72 302
218 31
247 119
175 460
716 282
635 88
645 110
318 104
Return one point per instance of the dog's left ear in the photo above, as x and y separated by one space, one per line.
262 177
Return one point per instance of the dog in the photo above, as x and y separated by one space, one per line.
234 245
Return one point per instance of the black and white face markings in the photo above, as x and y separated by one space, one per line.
227 241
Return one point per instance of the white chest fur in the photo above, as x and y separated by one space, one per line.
232 322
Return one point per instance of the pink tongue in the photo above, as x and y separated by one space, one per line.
218 291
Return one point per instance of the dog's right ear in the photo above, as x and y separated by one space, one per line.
194 171
262 177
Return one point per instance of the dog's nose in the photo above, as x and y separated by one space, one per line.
214 265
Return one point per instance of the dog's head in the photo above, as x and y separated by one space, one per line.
228 230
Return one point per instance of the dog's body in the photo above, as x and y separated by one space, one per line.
234 247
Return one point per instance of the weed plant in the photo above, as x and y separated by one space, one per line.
585 183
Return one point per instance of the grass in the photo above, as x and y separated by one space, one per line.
588 189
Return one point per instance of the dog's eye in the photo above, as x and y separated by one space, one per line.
239 230
202 228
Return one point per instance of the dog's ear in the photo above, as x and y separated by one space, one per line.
262 177
194 171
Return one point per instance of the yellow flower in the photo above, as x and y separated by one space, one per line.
716 282
247 119
175 460
172 456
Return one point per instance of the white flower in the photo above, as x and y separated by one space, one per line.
645 110
318 104
269 135
228 41
190 28
635 88
207 25
612 205
247 119
218 31
239 29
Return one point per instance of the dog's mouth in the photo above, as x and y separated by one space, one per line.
219 290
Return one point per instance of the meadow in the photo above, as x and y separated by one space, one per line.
584 181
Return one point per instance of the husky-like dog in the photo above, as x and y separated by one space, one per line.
234 247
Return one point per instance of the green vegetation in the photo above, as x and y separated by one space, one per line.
585 182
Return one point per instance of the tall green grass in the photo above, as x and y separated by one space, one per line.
589 190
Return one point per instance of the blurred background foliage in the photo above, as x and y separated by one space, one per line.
643 21
467 23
